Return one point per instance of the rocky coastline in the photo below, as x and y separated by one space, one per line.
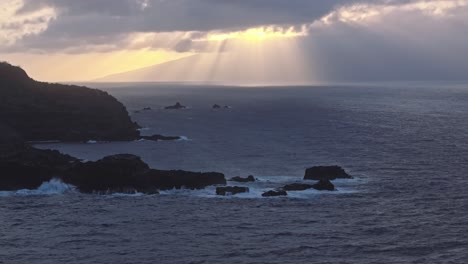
32 111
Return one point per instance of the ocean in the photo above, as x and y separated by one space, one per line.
405 145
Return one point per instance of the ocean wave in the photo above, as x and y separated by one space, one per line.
52 187
184 138
136 194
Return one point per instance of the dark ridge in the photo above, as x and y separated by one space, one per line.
40 111
10 73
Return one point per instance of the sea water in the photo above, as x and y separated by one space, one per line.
406 146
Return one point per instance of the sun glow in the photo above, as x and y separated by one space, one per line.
258 34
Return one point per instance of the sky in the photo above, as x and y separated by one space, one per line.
237 41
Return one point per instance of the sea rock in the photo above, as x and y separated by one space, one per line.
326 173
160 137
178 179
298 187
324 185
232 190
128 172
114 174
250 178
176 106
216 106
25 167
147 109
274 193
40 111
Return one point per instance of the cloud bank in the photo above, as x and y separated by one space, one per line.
342 40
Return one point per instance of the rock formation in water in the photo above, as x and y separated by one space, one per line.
176 106
28 168
326 173
127 173
250 178
297 187
322 185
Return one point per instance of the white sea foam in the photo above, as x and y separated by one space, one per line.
52 187
91 142
136 194
183 138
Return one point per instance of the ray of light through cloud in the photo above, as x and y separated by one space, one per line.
349 40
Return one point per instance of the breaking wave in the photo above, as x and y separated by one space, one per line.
52 187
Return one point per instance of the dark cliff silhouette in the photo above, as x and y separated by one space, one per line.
37 111
40 111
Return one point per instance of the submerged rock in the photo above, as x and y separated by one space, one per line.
160 137
176 106
250 178
274 193
231 190
326 173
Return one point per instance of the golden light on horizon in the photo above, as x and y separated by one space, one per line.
258 55
62 67
257 34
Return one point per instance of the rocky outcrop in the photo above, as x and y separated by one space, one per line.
128 173
35 111
119 174
40 111
326 173
176 106
322 185
274 193
178 179
250 178
231 190
297 187
28 168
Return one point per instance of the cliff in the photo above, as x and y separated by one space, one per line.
39 111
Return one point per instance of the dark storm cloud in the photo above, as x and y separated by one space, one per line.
96 17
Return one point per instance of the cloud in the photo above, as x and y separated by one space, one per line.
342 39
85 23
15 27
415 40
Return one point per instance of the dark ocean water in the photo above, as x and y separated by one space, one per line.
406 146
